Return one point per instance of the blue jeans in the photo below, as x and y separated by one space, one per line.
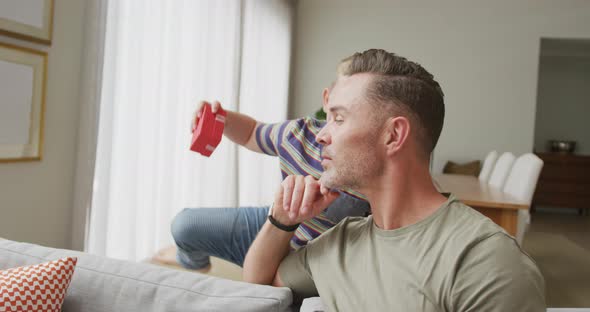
226 233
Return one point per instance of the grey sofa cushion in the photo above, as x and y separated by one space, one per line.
102 284
312 304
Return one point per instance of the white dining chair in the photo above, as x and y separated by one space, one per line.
501 170
488 166
521 183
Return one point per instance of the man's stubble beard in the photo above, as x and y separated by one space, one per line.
353 171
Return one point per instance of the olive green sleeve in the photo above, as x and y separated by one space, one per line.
296 275
496 275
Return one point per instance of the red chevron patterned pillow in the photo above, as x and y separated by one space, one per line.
40 287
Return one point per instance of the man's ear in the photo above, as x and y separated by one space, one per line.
325 98
397 131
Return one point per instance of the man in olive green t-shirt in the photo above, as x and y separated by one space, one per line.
419 250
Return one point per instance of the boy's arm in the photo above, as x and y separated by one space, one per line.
241 129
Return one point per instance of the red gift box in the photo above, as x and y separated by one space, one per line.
208 131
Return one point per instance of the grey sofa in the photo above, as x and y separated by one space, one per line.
102 284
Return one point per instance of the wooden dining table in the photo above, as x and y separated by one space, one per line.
492 202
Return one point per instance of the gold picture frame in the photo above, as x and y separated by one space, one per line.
28 20
23 75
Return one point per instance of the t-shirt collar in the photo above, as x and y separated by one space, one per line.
413 227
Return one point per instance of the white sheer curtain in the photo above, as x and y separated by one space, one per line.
91 82
160 58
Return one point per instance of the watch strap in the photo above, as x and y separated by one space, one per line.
286 228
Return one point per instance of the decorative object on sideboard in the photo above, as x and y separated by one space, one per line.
28 20
561 146
22 85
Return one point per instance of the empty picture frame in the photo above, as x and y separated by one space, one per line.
27 19
22 103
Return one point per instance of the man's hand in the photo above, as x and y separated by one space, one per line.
297 199
301 198
197 114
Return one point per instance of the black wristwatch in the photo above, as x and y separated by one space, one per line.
279 225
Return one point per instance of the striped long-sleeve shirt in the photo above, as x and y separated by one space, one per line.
294 142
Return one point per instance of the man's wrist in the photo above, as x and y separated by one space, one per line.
280 226
276 221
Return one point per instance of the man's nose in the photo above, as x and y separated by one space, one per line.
323 137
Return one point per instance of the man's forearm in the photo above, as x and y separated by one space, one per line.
267 251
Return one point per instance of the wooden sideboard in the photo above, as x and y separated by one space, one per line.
564 181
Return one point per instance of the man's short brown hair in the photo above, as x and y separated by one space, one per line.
401 87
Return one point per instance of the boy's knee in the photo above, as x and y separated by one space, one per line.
182 228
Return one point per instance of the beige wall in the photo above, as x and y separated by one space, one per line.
36 197
485 54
